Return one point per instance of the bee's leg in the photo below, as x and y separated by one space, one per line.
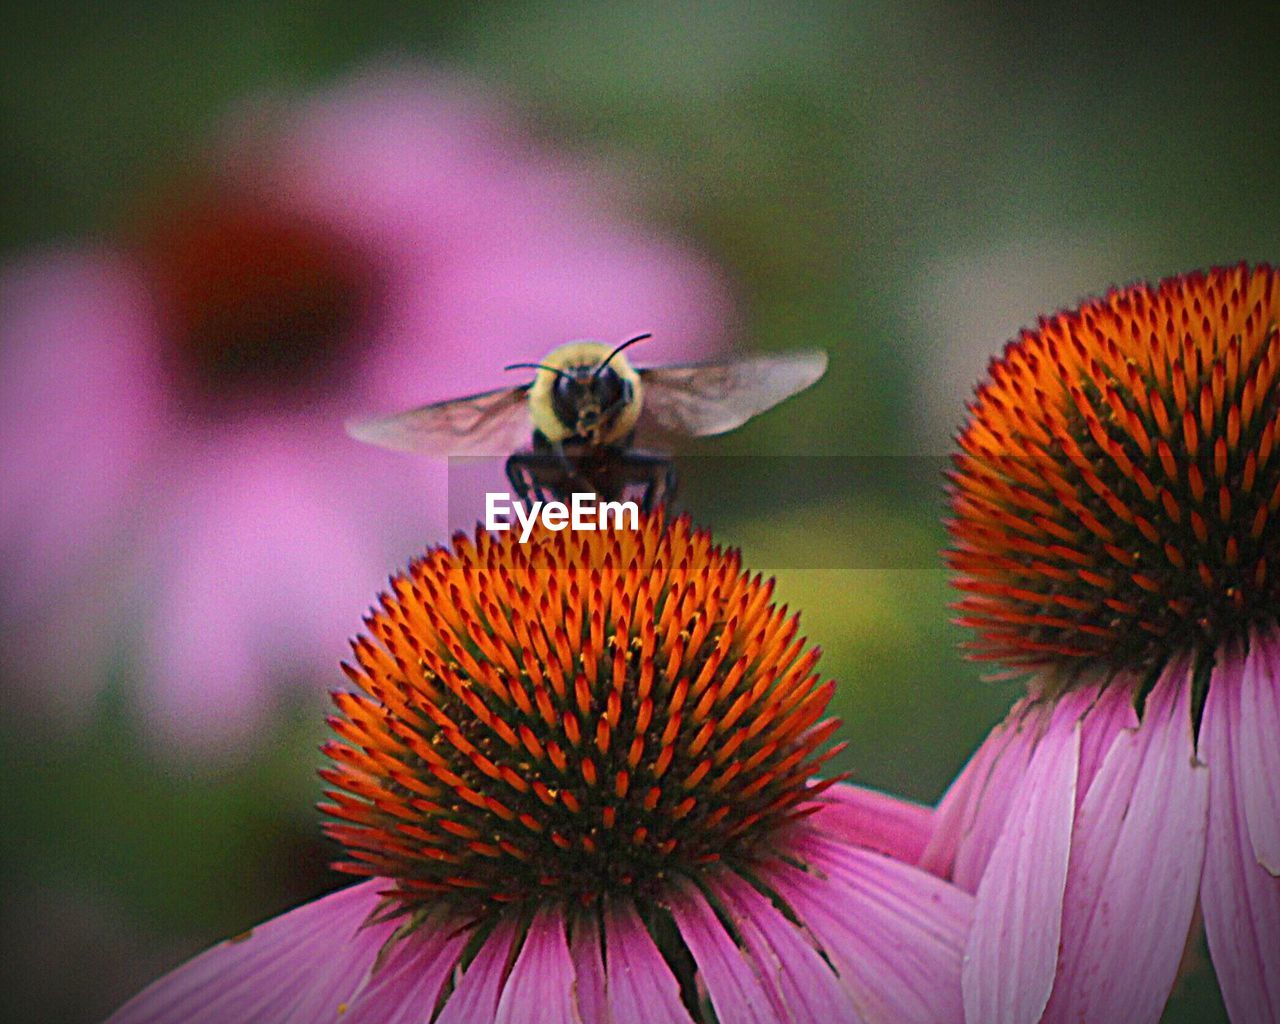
566 463
536 474
521 480
656 473
572 478
661 490
670 484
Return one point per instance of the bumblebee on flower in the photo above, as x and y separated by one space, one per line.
579 774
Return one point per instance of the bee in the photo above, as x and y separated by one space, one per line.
587 407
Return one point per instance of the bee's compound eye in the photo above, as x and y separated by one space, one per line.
564 387
564 399
608 387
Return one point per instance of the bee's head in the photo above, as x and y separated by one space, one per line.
586 390
586 399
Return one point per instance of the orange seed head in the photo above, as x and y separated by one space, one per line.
1116 496
583 713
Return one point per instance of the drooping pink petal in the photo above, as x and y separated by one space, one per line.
1111 712
1012 948
641 987
295 969
894 933
1258 718
802 987
1239 897
1135 867
588 963
404 986
877 821
475 1000
970 816
539 989
954 815
735 990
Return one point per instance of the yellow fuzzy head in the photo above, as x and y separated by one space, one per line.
576 411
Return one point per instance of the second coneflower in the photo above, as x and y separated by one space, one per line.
578 775
1117 532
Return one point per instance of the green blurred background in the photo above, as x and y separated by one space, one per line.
904 186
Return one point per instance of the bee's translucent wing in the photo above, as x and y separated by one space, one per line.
712 398
491 423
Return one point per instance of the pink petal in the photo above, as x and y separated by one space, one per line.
404 987
735 991
380 155
642 989
475 1000
588 961
81 415
894 933
1111 713
259 561
1239 897
971 814
1259 746
539 989
499 263
81 411
1013 947
802 987
295 969
877 821
1135 867
638 282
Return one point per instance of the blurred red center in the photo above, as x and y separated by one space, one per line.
255 299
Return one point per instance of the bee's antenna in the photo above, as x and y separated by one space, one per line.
536 366
626 344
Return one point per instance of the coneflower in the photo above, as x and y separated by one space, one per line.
170 469
1116 528
578 775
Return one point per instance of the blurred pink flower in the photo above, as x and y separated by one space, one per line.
180 505
1115 532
